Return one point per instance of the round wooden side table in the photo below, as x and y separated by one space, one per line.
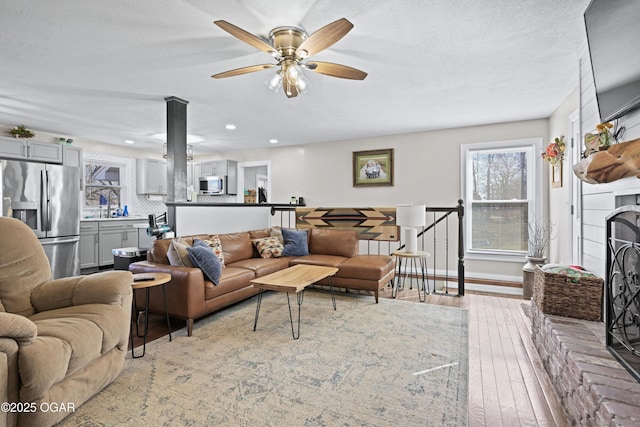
147 281
413 260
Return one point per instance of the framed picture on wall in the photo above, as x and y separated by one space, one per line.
373 168
556 175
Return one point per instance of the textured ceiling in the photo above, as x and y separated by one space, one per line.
100 70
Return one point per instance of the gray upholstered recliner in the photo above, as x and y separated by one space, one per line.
62 340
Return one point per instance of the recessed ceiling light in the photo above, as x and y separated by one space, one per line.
273 141
230 126
128 141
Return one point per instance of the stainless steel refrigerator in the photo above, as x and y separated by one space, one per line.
46 198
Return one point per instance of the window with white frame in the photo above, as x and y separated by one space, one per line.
502 195
104 183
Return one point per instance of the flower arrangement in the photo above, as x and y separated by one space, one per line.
604 133
555 151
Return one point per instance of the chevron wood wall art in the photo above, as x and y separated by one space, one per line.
370 223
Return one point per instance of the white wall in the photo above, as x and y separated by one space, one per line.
560 198
598 200
427 170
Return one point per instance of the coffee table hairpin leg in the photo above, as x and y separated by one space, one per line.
333 295
300 299
255 321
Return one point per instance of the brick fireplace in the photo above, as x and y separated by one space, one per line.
595 366
595 390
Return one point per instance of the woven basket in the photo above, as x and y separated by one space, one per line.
558 294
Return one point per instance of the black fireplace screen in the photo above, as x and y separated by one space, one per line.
623 287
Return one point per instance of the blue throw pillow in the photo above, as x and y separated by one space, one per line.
204 258
198 242
295 242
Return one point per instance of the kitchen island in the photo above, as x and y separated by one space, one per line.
210 218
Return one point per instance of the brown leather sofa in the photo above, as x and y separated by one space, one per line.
191 296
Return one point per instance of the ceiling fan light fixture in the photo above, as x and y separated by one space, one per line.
294 77
291 46
275 82
292 72
303 84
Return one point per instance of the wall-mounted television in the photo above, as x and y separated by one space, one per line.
613 36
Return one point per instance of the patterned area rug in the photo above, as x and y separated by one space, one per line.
392 363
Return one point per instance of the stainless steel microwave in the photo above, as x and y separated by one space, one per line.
213 185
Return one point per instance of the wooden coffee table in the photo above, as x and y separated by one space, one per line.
293 279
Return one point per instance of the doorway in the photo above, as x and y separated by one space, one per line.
252 175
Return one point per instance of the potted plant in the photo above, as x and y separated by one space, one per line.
21 132
539 237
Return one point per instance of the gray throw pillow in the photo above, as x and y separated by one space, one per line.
204 258
178 255
295 242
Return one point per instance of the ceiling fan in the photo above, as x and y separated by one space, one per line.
290 46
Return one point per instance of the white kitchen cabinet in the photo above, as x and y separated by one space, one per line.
151 176
115 234
228 168
207 168
16 148
71 156
88 244
218 168
196 173
99 238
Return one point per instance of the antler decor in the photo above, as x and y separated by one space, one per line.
617 162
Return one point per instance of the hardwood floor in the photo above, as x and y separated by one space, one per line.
507 383
157 328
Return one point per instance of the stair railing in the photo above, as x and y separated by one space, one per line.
438 235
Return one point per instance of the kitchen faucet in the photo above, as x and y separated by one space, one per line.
117 194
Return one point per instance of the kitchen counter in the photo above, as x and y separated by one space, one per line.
118 218
218 218
258 205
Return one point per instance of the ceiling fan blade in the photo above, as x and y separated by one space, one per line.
246 37
336 70
324 37
243 70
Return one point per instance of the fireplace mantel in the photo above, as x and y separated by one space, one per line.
617 162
